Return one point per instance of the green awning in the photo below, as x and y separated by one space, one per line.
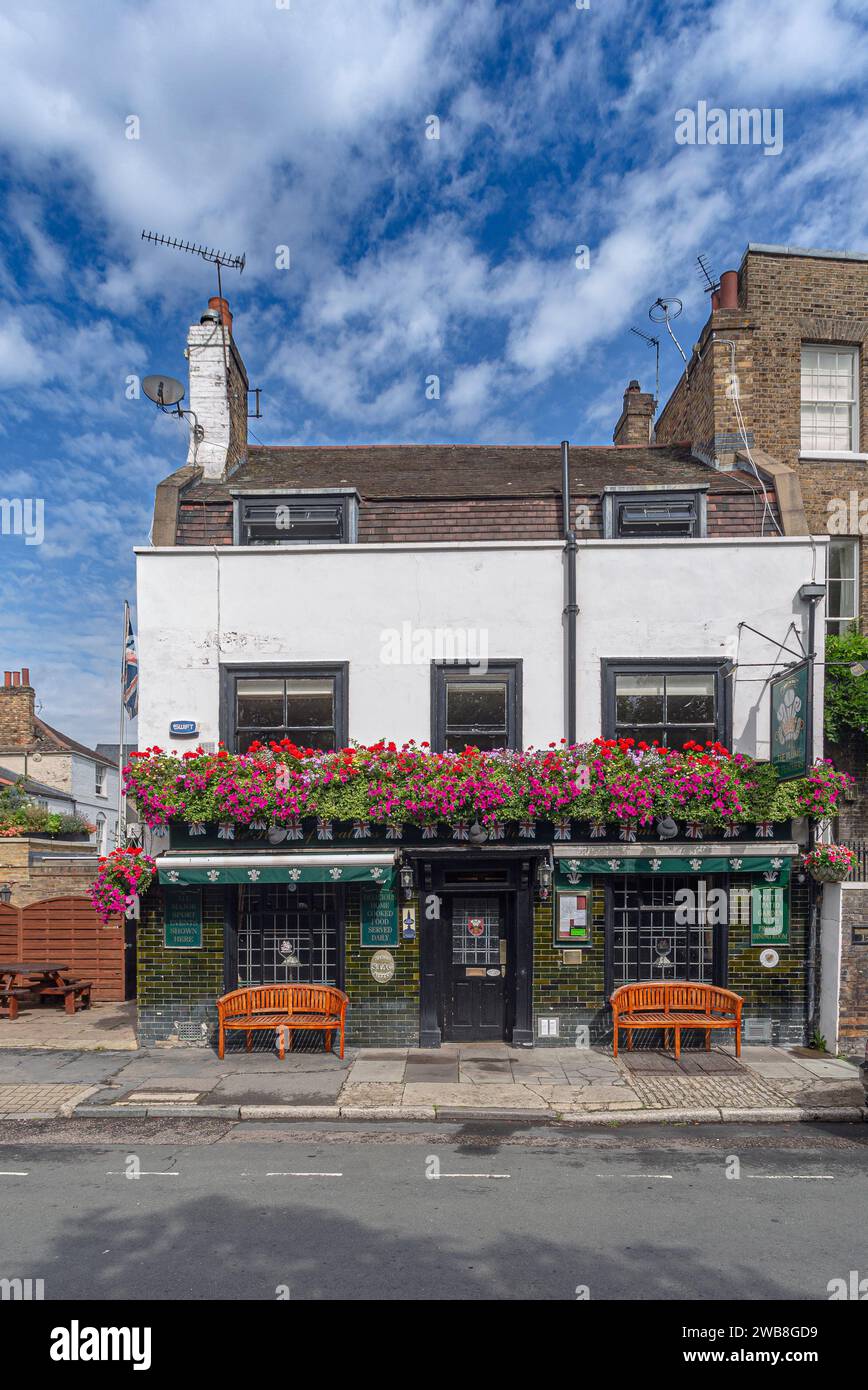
774 868
276 868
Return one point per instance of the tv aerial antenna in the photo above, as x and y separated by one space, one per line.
711 285
218 258
655 343
664 310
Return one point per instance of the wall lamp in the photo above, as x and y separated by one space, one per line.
407 876
544 879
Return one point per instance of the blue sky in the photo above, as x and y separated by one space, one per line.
304 125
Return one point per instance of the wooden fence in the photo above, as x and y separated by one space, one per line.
66 930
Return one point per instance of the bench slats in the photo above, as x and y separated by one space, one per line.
286 1007
675 1004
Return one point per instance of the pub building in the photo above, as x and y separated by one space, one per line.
497 597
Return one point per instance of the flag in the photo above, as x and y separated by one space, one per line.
131 670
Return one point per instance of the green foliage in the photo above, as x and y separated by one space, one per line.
846 703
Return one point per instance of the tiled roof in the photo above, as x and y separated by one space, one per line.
464 470
8 778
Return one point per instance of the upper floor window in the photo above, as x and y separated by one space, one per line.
830 400
664 701
653 514
842 599
99 780
476 708
296 519
306 704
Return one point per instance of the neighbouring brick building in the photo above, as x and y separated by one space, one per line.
273 577
780 375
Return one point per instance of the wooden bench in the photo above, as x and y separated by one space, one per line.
676 1005
9 996
76 994
310 1008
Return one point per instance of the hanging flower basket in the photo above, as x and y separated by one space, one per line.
122 874
829 863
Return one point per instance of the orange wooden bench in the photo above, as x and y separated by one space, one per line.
676 1005
310 1008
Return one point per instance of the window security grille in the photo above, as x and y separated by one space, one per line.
660 516
292 521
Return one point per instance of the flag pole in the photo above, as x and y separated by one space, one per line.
120 831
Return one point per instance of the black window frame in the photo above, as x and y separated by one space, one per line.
441 671
719 667
344 500
616 498
231 674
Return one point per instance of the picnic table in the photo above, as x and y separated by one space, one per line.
45 979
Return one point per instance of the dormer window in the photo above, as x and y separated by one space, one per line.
293 518
654 514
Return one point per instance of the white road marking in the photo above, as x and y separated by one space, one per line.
144 1174
13 1174
635 1175
472 1175
304 1175
794 1177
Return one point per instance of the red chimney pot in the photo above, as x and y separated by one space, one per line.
222 307
729 289
25 675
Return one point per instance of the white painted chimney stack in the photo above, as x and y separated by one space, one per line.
220 408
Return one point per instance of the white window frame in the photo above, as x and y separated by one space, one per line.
807 450
852 543
99 780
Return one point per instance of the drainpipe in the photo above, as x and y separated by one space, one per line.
571 607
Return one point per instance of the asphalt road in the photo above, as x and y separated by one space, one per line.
256 1212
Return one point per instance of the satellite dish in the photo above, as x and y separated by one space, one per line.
163 390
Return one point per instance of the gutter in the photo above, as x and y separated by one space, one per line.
570 607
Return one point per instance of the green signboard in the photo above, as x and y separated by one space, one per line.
790 745
183 926
379 918
769 917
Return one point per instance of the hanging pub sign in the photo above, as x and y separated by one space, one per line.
379 918
790 748
182 929
573 917
769 917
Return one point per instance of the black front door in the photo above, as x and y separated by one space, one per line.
476 970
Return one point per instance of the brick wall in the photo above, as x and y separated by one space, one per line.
575 993
778 994
381 1015
785 301
179 987
853 1006
34 881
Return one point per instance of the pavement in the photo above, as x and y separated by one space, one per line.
472 1211
489 1080
101 1028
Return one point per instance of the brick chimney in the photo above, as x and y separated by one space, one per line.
634 426
17 709
220 412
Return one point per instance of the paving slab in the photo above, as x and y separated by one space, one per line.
364 1069
504 1097
374 1093
298 1089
